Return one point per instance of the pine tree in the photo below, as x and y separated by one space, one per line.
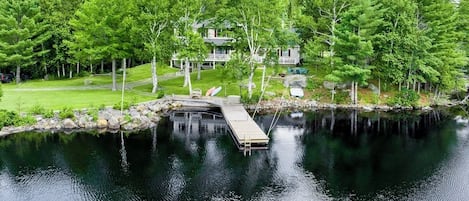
22 30
439 21
354 44
101 28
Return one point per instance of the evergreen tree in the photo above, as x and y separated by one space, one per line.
354 44
22 30
101 28
463 26
439 20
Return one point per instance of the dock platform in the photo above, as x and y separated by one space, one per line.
244 130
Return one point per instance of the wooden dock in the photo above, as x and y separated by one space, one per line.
245 131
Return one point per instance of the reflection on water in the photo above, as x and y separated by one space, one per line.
190 155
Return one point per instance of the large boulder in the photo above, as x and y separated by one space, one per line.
102 123
113 123
69 124
298 81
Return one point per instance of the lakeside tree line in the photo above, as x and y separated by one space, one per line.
411 44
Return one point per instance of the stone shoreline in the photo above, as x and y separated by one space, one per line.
148 114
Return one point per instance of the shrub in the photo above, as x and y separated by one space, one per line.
67 112
254 99
38 109
10 118
341 97
93 112
26 120
405 98
160 94
126 105
48 114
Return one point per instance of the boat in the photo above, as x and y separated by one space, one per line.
209 91
215 91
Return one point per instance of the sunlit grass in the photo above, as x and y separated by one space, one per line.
24 101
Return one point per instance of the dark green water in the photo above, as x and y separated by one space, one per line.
327 155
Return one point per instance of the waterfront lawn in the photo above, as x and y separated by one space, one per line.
214 78
21 101
136 73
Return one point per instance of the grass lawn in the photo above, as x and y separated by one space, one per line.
24 101
214 78
58 99
133 74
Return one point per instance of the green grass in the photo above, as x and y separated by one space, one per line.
133 74
213 78
25 101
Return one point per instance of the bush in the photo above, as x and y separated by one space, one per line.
10 118
26 120
67 112
254 99
93 112
126 105
38 109
405 98
48 114
7 118
160 94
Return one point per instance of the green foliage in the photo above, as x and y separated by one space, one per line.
405 98
49 114
126 105
341 97
93 112
67 112
160 94
10 118
22 32
250 100
37 109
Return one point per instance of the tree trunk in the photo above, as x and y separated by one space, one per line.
123 84
18 74
78 68
379 87
250 83
102 66
356 93
263 77
185 67
187 75
114 84
154 76
63 70
352 91
70 72
58 70
198 71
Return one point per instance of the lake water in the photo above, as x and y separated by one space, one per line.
322 155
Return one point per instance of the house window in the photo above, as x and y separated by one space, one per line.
285 53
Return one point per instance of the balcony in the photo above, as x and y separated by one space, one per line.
218 57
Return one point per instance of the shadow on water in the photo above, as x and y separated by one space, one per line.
322 155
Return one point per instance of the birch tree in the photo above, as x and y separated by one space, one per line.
257 24
154 19
191 46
